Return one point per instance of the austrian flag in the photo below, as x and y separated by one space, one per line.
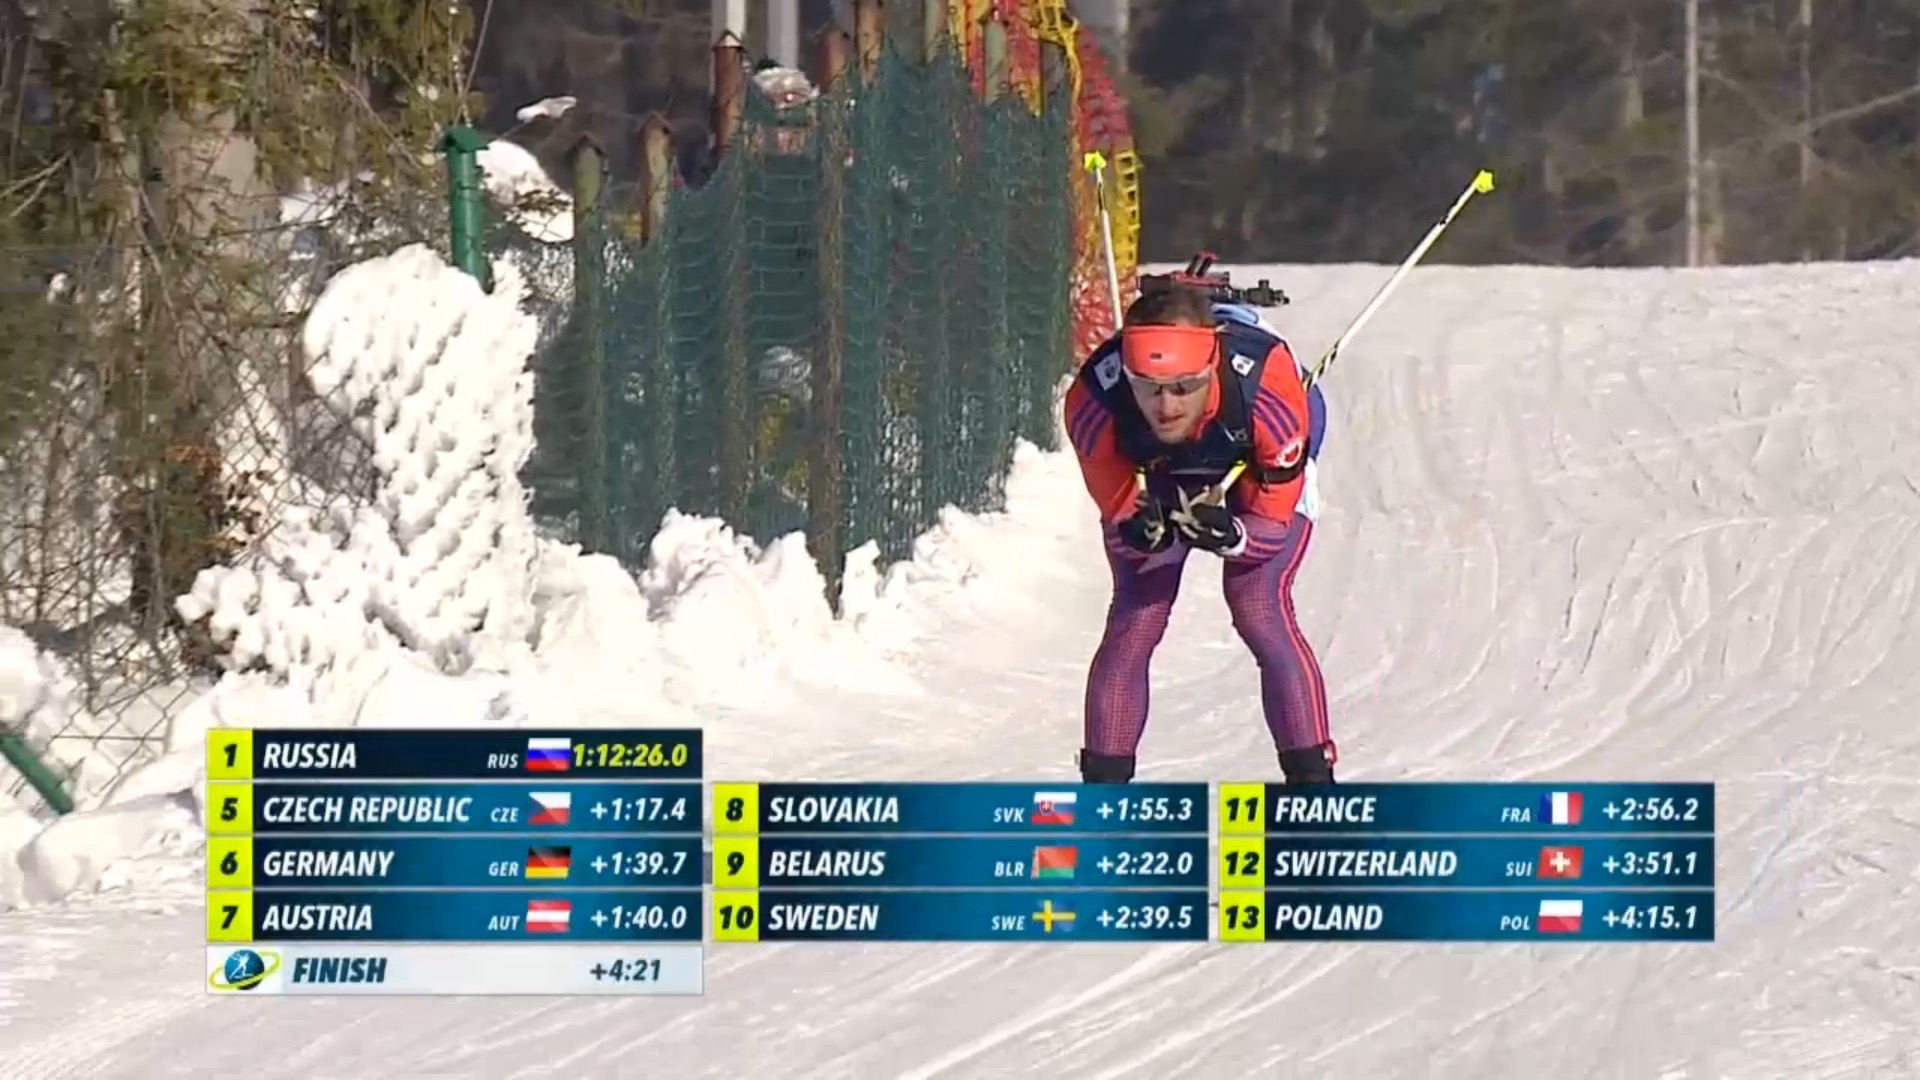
548 916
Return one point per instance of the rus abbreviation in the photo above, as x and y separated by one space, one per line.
340 969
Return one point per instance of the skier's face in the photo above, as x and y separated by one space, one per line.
1173 407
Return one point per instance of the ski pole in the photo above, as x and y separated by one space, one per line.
1482 183
1096 164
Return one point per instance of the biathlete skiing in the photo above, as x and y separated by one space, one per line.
1195 431
1198 429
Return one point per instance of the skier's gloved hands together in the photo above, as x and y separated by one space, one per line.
1147 530
1208 526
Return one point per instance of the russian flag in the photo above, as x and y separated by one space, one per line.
549 755
1560 807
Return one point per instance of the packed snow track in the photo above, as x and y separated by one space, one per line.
1579 525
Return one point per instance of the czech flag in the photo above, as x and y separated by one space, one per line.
552 807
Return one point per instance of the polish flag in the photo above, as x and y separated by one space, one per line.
1561 916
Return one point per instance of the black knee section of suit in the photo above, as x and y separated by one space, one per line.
1308 764
1105 768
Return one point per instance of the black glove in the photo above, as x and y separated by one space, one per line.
1208 526
1147 530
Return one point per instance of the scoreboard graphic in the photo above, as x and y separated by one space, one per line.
1454 862
516 862
455 862
960 862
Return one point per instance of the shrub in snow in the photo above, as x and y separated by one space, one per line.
432 374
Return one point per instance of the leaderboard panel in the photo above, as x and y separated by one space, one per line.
1454 862
960 862
455 862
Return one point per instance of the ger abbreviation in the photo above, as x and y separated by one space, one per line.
503 869
340 969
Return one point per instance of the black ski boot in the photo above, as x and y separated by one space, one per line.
1105 768
1309 764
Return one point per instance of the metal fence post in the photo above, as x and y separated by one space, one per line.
39 775
466 205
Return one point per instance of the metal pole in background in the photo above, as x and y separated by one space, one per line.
729 17
783 33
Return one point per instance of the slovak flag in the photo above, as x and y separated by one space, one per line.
1053 807
1560 807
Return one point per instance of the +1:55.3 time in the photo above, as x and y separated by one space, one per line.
1149 808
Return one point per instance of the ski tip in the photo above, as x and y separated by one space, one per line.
1094 160
1483 182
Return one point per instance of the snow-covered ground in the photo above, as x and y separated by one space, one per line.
1579 524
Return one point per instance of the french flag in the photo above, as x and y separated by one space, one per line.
549 755
1560 807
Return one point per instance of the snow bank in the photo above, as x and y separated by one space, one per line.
441 560
435 604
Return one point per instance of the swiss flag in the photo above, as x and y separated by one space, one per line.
1559 862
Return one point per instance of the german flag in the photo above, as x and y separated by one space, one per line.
549 863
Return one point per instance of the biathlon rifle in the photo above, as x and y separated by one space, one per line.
1217 284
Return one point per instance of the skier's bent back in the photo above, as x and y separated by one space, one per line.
1159 414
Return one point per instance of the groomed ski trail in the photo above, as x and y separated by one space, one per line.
1580 525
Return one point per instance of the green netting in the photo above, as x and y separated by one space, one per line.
843 331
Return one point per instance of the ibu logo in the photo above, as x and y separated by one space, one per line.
243 970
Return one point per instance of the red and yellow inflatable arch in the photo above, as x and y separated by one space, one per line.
1099 123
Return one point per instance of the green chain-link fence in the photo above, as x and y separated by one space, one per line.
843 330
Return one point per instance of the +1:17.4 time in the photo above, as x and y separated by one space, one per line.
646 808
